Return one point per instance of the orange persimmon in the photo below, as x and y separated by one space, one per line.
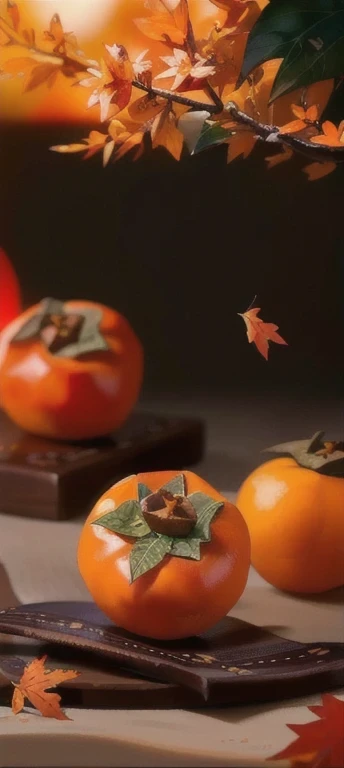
164 555
293 507
69 371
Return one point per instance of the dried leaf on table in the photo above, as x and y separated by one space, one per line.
320 743
34 686
259 332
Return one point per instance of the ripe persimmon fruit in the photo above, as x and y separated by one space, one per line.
293 506
164 555
69 371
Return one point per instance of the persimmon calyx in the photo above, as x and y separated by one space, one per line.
166 522
62 332
169 514
322 456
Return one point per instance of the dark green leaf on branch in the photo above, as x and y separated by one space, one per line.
307 34
211 135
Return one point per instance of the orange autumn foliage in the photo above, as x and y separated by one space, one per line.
320 743
204 43
261 333
34 685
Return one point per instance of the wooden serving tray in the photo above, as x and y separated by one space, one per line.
56 480
234 663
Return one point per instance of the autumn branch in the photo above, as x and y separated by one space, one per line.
15 38
271 134
179 99
268 133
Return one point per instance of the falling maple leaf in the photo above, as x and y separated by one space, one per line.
320 744
259 332
305 117
34 685
168 21
331 136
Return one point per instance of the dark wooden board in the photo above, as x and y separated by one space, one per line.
234 663
55 480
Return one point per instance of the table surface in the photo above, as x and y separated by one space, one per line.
37 563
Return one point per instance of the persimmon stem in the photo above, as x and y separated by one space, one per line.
177 98
252 303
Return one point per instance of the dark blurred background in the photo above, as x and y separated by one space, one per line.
180 249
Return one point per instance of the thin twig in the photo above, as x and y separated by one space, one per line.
177 98
270 133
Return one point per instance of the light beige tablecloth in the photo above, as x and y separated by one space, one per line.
37 563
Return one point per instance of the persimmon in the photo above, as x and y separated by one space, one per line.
164 555
293 506
69 371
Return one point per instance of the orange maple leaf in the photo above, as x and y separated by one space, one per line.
316 171
331 136
33 686
168 21
305 117
165 133
320 744
259 332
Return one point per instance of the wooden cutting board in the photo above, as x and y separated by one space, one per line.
235 663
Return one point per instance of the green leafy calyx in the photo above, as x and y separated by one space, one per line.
167 522
63 332
324 457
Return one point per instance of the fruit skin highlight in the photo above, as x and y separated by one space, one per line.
179 597
294 514
71 397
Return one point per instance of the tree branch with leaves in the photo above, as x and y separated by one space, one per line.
265 71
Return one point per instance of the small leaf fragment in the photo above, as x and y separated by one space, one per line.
176 486
127 520
189 548
147 553
206 509
144 491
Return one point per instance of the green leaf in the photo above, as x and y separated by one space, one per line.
147 553
32 328
206 509
307 34
212 134
175 486
127 520
90 338
144 491
189 548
